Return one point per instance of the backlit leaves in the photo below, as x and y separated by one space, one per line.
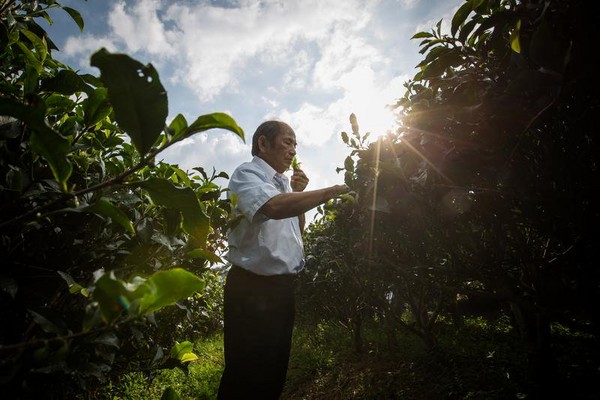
137 96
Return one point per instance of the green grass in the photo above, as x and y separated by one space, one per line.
476 361
200 382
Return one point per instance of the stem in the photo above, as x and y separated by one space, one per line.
6 6
117 179
36 342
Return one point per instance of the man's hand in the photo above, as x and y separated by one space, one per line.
299 180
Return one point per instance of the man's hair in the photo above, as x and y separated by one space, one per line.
270 130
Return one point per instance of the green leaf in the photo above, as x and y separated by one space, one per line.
137 95
58 104
96 107
76 17
438 66
30 79
108 339
348 197
112 297
179 349
170 394
345 137
105 208
178 126
354 123
65 82
187 357
295 163
54 148
164 193
461 15
349 164
31 57
421 35
39 44
46 325
515 44
205 254
48 143
165 288
466 29
210 121
74 287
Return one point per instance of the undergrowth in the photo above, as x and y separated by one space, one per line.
476 361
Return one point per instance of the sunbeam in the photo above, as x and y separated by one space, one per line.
374 200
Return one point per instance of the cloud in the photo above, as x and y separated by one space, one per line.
82 47
215 147
142 29
314 125
212 46
363 94
308 62
218 44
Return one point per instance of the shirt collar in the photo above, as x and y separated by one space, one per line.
270 171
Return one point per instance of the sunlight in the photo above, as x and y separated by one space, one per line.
373 201
370 103
377 118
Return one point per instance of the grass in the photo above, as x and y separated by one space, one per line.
199 382
474 362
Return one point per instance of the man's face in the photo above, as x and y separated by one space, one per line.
280 153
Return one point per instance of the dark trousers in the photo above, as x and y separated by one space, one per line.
259 319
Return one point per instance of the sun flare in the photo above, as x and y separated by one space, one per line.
372 104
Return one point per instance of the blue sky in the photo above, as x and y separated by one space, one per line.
310 63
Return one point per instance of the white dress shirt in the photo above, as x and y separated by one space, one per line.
259 244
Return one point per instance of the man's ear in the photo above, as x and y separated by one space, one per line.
262 144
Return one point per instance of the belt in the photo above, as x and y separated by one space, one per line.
276 279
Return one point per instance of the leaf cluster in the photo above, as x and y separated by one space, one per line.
482 201
96 235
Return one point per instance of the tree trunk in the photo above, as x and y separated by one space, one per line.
534 329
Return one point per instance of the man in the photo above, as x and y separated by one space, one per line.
266 253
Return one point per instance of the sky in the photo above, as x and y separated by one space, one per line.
310 63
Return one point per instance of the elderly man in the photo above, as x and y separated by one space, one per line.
266 254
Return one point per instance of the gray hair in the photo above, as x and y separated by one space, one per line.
270 130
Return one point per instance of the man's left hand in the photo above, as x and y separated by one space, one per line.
299 180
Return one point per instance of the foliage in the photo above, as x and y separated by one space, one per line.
199 381
484 360
96 237
322 367
481 203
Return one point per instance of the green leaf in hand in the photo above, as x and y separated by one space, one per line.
295 163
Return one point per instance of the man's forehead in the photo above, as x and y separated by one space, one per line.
288 133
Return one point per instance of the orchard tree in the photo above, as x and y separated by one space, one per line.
96 237
486 193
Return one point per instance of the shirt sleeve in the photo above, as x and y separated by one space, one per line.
252 190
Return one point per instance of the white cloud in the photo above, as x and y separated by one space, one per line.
301 64
408 4
313 125
340 56
222 149
308 62
140 30
83 46
211 46
363 94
